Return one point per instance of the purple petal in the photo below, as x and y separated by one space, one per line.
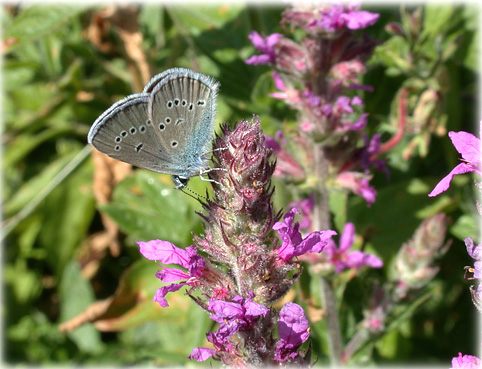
271 41
163 291
343 102
258 59
289 217
478 269
367 192
327 110
444 184
286 250
201 353
168 275
360 19
475 252
347 237
195 261
467 145
271 143
278 82
360 123
357 100
293 325
164 251
466 362
226 309
257 40
314 242
254 309
357 259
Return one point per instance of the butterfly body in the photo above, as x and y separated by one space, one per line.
167 128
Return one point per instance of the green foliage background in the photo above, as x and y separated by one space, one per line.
49 210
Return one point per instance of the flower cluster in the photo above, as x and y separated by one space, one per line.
318 77
466 362
244 318
469 147
238 267
475 252
341 257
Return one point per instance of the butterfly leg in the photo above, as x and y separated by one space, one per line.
205 171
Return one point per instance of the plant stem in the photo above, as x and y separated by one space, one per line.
322 221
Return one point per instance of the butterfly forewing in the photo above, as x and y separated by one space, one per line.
181 108
167 128
124 132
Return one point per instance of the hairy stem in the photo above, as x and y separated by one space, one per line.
322 221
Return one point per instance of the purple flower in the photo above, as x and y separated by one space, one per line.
290 95
292 242
343 104
359 184
469 147
166 253
475 252
342 259
346 72
266 46
337 17
232 316
360 123
359 19
286 165
466 362
293 330
306 206
201 354
369 154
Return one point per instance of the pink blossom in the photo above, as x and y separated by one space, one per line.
266 46
293 244
166 253
358 183
466 362
293 328
340 256
469 147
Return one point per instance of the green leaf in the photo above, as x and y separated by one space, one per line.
466 226
146 209
36 184
392 219
76 295
438 19
67 213
35 22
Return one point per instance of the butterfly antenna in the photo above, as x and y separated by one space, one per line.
190 192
